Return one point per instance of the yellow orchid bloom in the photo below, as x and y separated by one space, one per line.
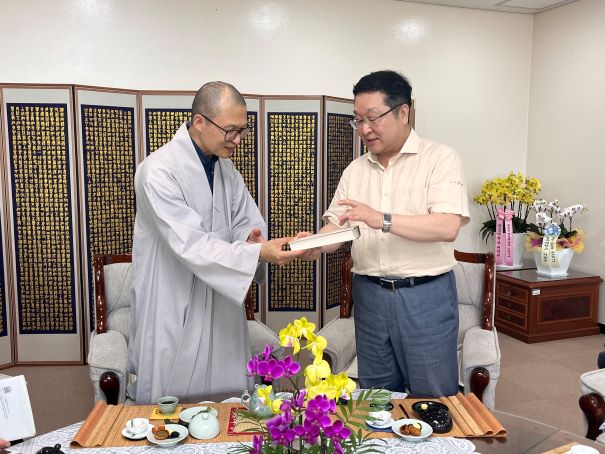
304 326
343 384
318 370
264 395
323 387
290 337
315 343
275 406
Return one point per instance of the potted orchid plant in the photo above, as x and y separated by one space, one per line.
556 239
508 202
320 417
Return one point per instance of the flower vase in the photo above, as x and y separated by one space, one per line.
518 248
564 257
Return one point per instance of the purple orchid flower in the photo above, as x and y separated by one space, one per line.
308 431
280 430
257 445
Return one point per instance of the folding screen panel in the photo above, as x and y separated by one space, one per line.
106 125
42 229
5 317
293 144
339 151
246 160
162 113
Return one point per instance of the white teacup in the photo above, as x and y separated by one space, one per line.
137 426
381 418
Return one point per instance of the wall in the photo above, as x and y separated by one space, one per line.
566 118
470 69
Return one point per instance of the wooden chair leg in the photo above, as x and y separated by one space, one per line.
479 381
110 385
593 407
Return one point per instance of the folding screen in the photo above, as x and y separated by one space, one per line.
106 125
339 151
293 135
40 205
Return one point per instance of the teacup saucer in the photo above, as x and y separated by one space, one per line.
128 434
384 425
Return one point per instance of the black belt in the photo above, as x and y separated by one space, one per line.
392 284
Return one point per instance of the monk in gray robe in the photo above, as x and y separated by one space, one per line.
198 241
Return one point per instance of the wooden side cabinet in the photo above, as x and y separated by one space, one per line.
533 308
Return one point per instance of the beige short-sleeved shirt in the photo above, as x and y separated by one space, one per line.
425 177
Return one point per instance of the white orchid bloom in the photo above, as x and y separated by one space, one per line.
543 219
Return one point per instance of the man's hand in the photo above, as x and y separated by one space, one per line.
358 211
256 236
4 443
309 254
271 251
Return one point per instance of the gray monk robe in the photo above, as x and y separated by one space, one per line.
192 269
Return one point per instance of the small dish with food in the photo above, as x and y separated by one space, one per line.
167 435
413 430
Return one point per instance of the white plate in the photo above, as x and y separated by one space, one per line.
425 432
169 442
128 434
188 413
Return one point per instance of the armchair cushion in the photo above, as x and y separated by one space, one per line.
593 382
340 334
261 335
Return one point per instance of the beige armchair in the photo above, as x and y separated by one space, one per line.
478 347
592 402
108 353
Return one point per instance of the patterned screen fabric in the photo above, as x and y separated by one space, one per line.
293 150
42 217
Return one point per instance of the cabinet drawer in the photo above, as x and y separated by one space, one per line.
510 291
510 318
512 305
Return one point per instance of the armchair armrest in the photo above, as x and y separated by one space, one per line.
108 353
480 350
341 350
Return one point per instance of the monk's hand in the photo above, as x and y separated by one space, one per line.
358 211
309 254
256 236
272 251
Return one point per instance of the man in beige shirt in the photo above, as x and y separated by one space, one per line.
408 197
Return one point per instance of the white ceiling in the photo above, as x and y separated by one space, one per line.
508 6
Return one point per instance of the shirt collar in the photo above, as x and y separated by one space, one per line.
411 146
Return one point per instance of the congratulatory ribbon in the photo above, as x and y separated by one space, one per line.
549 245
504 239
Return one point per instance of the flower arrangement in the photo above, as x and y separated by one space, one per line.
549 214
313 420
515 193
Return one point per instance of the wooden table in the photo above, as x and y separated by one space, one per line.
524 436
535 308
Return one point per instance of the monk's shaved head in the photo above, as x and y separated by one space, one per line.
214 97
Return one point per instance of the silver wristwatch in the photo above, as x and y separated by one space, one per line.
386 222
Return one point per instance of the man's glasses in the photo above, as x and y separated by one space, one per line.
355 123
230 134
